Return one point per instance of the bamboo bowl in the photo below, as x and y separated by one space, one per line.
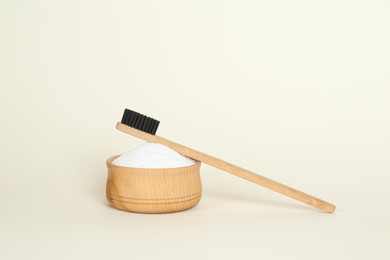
162 190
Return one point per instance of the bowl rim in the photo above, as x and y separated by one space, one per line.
109 164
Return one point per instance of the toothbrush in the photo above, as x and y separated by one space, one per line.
145 128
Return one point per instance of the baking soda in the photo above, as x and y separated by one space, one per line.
152 156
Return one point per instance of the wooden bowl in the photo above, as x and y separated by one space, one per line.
153 190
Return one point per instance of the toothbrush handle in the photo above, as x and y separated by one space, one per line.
232 169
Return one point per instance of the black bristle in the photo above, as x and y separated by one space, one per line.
155 126
140 121
137 123
125 116
137 118
152 126
133 118
146 124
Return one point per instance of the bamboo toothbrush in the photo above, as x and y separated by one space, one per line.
144 127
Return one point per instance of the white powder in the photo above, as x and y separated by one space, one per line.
151 155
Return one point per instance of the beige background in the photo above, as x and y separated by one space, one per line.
296 90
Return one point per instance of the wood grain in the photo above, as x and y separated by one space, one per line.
153 190
232 169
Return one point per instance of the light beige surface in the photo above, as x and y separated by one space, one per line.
305 85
